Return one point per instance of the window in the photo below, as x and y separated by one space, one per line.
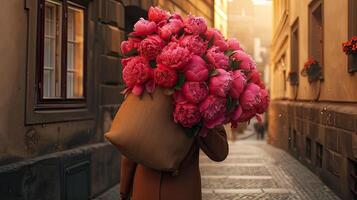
61 56
293 76
60 84
352 27
319 154
316 31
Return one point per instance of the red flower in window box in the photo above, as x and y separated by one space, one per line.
312 70
350 47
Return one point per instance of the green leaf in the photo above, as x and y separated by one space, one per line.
234 64
213 72
152 64
229 52
180 82
210 43
131 53
204 57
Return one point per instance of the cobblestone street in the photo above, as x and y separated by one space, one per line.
256 170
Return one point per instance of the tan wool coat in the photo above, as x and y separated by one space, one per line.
142 183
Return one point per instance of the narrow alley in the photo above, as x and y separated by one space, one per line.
257 170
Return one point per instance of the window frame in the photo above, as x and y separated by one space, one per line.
313 6
352 31
294 52
39 110
63 102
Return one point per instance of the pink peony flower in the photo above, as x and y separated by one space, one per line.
124 61
213 111
187 114
233 44
250 98
194 44
195 92
247 115
246 61
236 113
264 103
178 97
130 44
144 27
174 56
218 39
151 46
217 58
254 77
136 71
220 84
196 69
177 16
238 84
157 15
165 77
172 27
195 25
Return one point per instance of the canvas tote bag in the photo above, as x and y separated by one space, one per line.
144 131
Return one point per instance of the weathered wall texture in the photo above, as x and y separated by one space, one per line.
335 61
315 120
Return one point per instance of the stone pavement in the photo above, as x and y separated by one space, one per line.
255 170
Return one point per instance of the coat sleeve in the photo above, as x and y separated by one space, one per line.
127 173
215 144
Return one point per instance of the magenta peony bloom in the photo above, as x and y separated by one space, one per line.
217 58
213 111
238 84
172 27
165 77
130 44
174 56
187 114
264 103
124 61
254 77
246 61
195 25
157 15
144 27
196 69
247 115
250 98
151 47
236 113
233 44
178 97
218 39
195 92
220 84
136 71
194 44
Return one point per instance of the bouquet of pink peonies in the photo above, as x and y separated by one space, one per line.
213 81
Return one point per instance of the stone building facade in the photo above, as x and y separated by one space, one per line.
60 89
316 121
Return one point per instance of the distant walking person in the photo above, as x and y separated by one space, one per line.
260 130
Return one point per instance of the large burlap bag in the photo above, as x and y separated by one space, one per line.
144 131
